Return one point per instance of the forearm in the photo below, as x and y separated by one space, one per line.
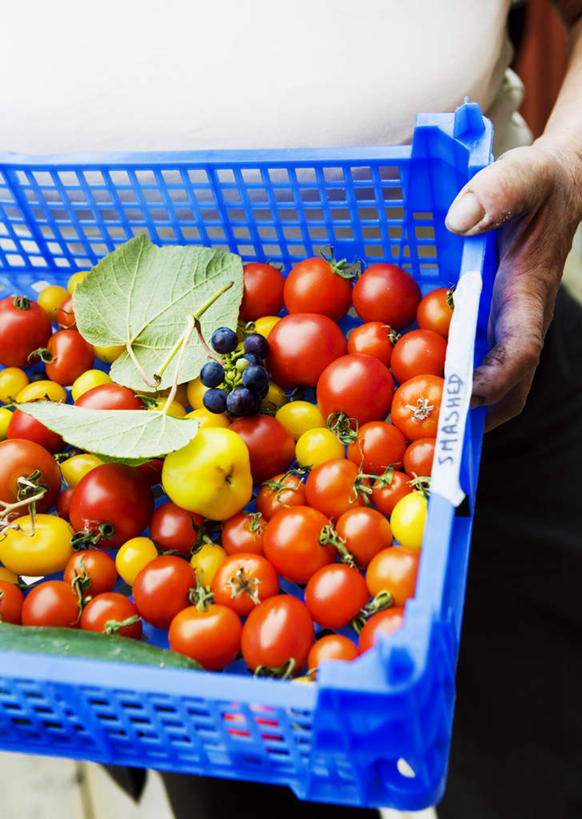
564 127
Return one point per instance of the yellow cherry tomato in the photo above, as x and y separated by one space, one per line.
109 354
274 399
51 298
181 394
206 418
407 520
211 475
265 324
206 562
133 556
5 418
12 381
318 445
76 280
176 410
42 390
75 468
195 390
7 576
299 416
87 380
37 551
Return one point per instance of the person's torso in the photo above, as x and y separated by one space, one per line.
226 74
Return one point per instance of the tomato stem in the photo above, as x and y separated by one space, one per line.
344 427
113 626
383 600
329 537
282 672
21 303
241 584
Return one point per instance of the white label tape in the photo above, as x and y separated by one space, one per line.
457 389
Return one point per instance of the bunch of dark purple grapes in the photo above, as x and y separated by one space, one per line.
237 381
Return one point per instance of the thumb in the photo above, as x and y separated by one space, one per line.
517 182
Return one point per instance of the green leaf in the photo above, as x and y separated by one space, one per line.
140 295
126 435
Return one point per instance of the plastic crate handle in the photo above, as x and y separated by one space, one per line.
457 389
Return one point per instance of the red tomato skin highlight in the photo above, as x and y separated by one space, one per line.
271 447
385 292
301 346
358 385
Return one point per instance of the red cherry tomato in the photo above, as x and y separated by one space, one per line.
243 533
378 445
211 637
419 456
70 354
365 532
52 603
109 396
435 311
386 496
330 647
104 613
114 495
64 504
316 286
278 632
416 406
335 594
94 568
151 471
175 528
22 459
25 426
386 293
65 314
292 543
387 622
162 589
11 599
280 492
332 487
24 327
243 581
419 352
301 346
393 570
358 385
262 291
375 339
271 447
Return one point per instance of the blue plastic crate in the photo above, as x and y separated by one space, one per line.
373 732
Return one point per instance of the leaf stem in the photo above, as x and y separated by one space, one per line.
139 368
197 314
190 325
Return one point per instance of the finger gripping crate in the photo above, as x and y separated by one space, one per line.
373 732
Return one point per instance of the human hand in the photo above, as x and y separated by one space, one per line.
535 195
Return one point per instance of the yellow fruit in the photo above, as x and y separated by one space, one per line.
274 399
265 324
12 381
206 562
76 280
44 552
299 416
5 418
87 380
407 520
109 354
176 410
7 576
317 446
75 468
195 390
39 390
51 298
206 418
211 475
133 556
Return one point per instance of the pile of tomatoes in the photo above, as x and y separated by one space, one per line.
336 467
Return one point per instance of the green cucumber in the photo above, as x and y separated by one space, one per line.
72 642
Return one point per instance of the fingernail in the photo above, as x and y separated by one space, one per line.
465 212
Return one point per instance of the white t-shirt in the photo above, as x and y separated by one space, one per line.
154 75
